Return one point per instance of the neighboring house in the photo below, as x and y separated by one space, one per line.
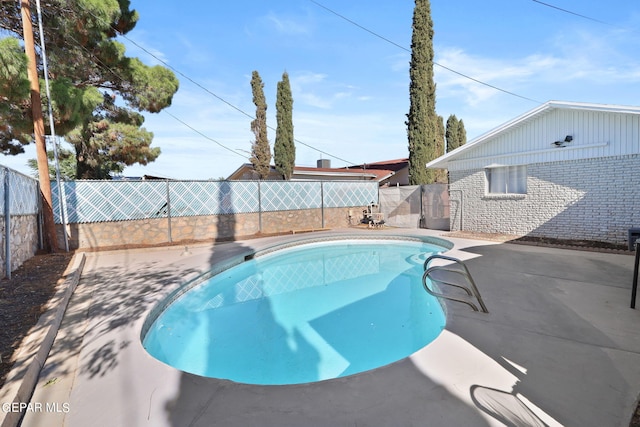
321 173
564 170
399 167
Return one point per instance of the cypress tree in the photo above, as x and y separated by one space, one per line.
451 133
440 174
422 127
260 151
284 150
456 134
462 133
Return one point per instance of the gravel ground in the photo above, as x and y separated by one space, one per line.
22 301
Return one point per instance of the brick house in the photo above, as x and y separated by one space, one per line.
564 170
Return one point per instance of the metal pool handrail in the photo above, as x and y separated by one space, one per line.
472 290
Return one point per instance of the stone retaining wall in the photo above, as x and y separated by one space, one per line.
24 240
157 231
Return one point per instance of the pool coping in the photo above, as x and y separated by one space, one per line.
219 268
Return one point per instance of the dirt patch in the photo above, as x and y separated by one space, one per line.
23 299
589 245
493 237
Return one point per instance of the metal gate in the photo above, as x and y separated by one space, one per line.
416 206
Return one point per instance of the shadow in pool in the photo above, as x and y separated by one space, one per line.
260 351
384 327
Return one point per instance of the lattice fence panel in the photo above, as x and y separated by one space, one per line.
347 194
99 201
23 193
190 198
284 196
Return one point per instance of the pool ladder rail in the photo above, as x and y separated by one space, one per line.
458 268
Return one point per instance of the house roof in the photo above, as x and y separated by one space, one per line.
392 165
442 161
311 173
372 174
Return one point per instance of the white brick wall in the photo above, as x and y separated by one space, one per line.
589 199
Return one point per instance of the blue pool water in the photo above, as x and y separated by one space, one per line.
308 313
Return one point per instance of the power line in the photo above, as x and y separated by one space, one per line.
409 50
204 136
114 72
212 94
571 13
209 92
225 101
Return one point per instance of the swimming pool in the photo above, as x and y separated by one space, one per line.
305 313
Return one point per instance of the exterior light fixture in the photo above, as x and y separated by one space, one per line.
567 139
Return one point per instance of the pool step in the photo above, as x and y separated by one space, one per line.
456 275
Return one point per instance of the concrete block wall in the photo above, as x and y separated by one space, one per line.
589 199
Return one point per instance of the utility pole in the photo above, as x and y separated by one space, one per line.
38 128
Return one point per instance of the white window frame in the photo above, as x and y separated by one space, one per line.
506 180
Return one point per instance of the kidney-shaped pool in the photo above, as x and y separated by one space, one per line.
305 313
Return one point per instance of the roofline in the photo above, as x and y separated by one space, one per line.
381 162
304 172
242 166
372 176
441 162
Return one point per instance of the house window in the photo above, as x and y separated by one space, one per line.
507 180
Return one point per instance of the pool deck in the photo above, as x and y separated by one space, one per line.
560 347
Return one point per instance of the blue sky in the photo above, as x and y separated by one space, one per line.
350 87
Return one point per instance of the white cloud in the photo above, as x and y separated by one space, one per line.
400 62
138 47
286 25
307 77
568 63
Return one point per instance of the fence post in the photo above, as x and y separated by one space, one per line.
62 204
7 226
423 219
259 208
40 218
168 214
322 202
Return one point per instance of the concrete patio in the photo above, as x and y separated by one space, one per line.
560 347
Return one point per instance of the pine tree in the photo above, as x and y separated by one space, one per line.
284 150
422 127
260 150
88 69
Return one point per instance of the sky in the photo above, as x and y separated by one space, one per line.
348 64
